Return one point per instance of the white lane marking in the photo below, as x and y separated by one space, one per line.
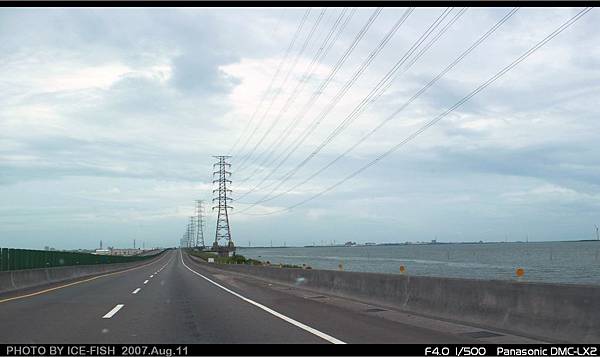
112 312
136 291
270 311
146 282
152 276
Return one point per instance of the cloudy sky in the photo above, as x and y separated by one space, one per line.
109 119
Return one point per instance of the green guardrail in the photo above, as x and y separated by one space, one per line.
18 259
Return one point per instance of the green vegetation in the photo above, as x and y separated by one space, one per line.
203 255
236 259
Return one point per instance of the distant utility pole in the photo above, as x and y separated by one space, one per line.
199 224
597 235
223 229
134 244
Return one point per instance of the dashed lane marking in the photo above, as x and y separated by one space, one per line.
112 312
77 282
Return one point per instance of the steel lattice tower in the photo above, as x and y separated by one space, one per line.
190 235
223 229
186 236
199 224
192 229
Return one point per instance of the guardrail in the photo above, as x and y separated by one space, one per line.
19 259
555 312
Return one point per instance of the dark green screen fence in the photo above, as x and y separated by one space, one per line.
17 259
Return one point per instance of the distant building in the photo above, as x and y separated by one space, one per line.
118 251
125 251
349 244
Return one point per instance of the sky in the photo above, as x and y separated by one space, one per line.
109 120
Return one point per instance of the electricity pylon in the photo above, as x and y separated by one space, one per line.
185 239
223 229
192 231
199 224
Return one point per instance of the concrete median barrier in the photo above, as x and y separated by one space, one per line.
554 312
28 278
6 282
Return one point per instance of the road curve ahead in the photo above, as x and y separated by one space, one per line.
176 300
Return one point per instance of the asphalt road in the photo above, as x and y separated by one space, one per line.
175 300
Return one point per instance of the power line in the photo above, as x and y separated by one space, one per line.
285 80
269 87
408 102
378 90
433 121
291 98
317 93
328 42
272 82
339 95
375 93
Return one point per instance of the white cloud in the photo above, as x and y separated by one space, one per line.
113 115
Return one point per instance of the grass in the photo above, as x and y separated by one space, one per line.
236 259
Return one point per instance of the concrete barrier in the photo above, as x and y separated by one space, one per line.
553 312
28 278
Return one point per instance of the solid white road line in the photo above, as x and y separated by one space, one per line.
146 282
136 291
112 312
270 311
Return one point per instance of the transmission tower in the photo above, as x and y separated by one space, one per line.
192 231
199 224
188 235
223 229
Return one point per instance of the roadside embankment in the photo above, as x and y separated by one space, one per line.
553 312
28 278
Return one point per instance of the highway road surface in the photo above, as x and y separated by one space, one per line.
175 300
